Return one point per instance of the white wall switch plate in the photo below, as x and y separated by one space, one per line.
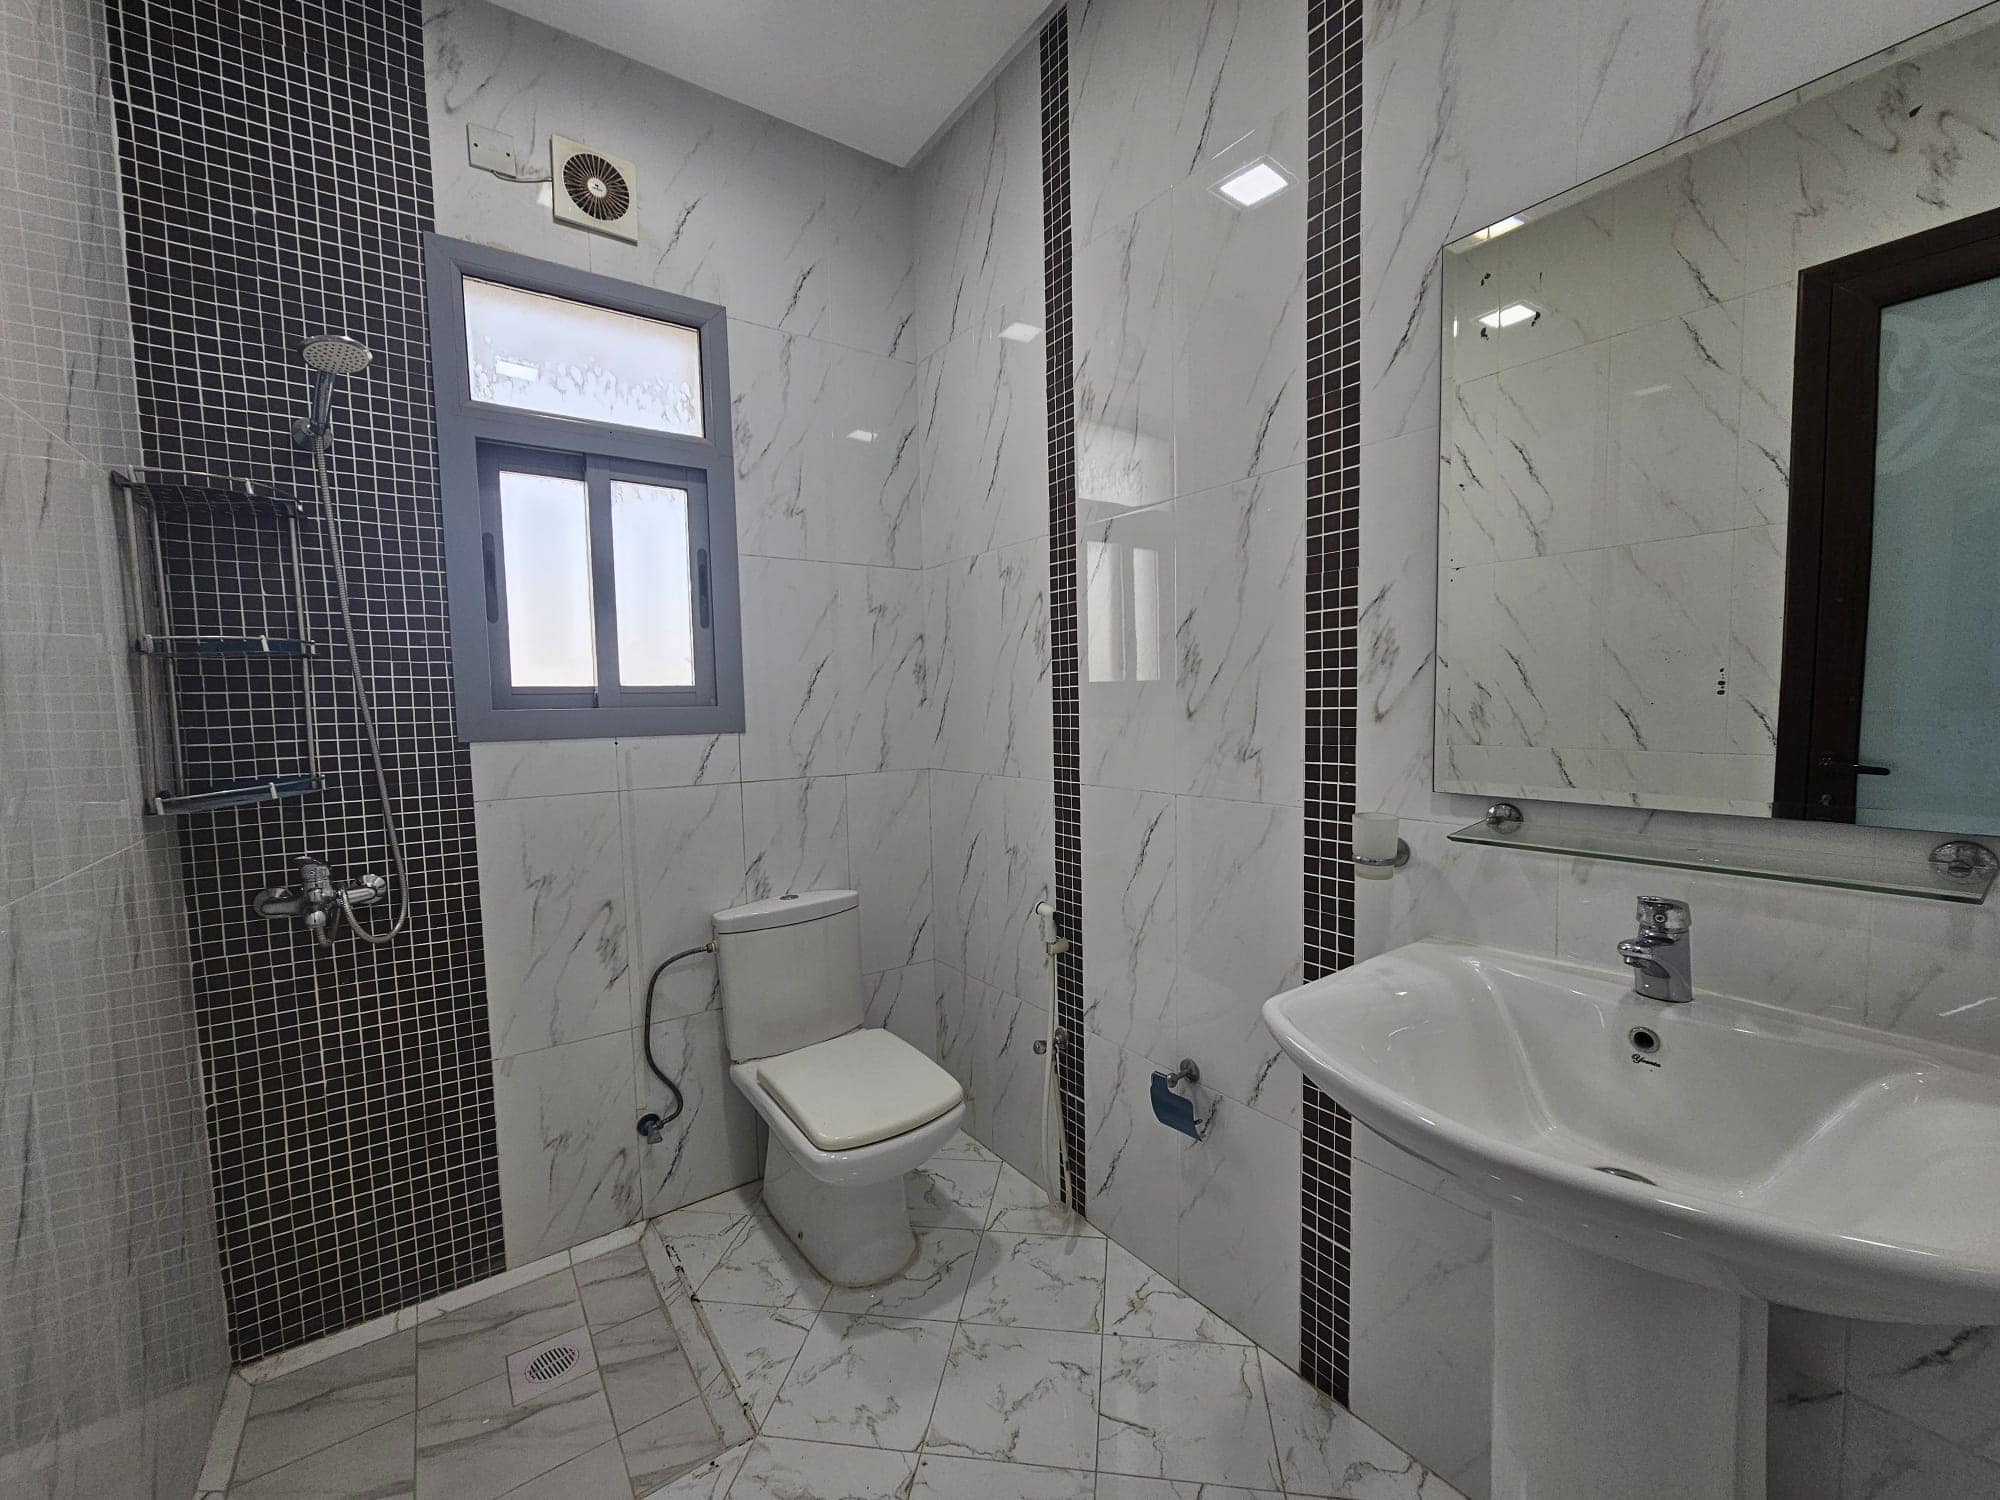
490 150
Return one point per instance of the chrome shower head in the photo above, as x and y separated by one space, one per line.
328 355
336 354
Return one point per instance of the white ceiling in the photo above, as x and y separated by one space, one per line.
882 76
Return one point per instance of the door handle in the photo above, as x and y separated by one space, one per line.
1854 767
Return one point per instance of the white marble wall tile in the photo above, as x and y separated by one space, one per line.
1129 691
989 636
958 1003
979 227
1523 663
1672 457
1007 1080
557 933
797 719
1808 1407
795 836
687 851
714 1145
1132 900
503 770
1239 1225
1478 895
568 1155
982 435
1933 971
887 672
905 1001
1239 638
992 841
1887 1458
825 440
1239 318
1663 627
679 760
1421 1324
1131 1156
889 858
1124 357
1240 880
1398 593
1944 1379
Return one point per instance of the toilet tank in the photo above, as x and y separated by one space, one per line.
791 971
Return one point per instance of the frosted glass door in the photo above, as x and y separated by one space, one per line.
1930 702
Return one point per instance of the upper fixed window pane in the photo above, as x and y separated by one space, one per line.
571 359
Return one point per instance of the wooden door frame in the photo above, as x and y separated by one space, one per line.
1829 541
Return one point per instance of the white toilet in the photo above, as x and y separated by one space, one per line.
852 1108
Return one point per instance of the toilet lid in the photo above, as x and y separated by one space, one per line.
857 1089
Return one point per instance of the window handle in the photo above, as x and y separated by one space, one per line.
492 578
701 585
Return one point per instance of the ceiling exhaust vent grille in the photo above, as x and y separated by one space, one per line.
593 190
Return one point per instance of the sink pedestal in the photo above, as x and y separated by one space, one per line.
1609 1379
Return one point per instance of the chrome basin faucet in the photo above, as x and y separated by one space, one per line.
1661 957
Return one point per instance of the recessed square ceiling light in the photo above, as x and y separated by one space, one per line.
1021 333
1494 231
862 435
514 369
1250 185
1508 316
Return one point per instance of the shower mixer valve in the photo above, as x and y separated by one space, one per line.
315 901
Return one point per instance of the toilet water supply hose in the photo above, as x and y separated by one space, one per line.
658 1072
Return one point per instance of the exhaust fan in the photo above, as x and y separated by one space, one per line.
594 191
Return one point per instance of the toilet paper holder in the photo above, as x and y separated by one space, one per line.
1176 1110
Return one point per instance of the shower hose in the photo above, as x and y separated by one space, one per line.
336 544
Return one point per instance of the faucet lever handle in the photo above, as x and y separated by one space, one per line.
1665 916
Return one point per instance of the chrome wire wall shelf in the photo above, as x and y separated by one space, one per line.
204 509
1959 870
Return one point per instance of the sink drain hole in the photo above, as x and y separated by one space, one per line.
1627 1175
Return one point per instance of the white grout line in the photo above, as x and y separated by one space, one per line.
227 1437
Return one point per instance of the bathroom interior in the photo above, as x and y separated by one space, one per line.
999 749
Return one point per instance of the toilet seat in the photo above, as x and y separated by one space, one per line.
858 1089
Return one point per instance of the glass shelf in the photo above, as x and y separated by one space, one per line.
1908 875
240 794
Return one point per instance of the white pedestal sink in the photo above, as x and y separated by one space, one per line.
1658 1175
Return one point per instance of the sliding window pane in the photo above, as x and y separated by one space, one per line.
545 540
653 569
548 354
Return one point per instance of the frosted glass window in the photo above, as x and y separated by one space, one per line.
570 359
654 578
545 539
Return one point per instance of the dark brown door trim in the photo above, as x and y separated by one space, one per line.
1830 538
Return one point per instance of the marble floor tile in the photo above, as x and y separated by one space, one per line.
1038 1281
461 1348
1175 1410
941 1477
949 1193
616 1286
1025 1395
868 1381
933 1287
375 1465
325 1403
1324 1450
643 1368
759 1345
596 1475
477 1445
699 1240
1021 1207
1140 1302
1132 1487
660 1451
787 1469
762 1266
962 1147
710 1481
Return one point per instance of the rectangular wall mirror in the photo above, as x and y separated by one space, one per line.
1719 517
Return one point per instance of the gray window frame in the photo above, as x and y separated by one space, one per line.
489 706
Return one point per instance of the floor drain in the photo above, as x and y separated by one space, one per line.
1628 1176
551 1363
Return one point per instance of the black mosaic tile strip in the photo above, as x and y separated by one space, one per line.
1333 412
1057 315
276 181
